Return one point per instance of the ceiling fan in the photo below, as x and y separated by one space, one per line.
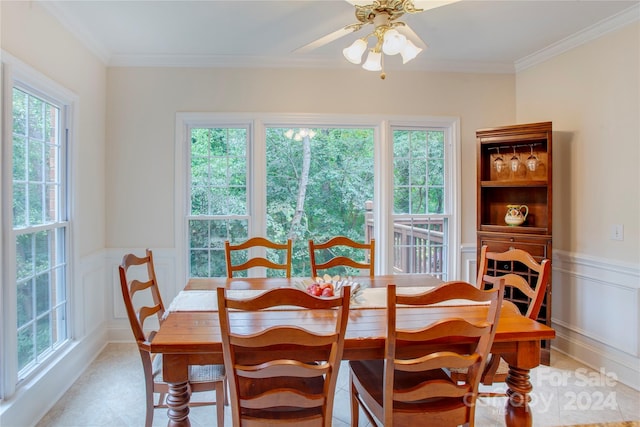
392 36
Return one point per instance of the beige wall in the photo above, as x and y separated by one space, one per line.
142 103
592 95
33 36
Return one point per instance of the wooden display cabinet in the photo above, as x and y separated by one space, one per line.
526 181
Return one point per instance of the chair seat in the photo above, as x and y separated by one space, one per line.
370 374
500 375
197 373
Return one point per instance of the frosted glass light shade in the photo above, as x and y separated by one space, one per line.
393 42
409 52
373 62
354 52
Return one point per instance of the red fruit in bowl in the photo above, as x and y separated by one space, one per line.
327 292
314 289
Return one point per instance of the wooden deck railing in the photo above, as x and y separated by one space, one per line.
418 246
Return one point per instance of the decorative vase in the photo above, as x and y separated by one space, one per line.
516 214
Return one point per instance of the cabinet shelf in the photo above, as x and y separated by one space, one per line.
520 229
509 184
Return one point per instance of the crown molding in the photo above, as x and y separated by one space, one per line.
598 30
80 32
310 62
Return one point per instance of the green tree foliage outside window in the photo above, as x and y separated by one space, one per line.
339 182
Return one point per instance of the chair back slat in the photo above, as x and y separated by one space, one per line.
324 256
282 368
283 250
282 335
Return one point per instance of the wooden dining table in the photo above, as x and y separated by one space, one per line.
193 337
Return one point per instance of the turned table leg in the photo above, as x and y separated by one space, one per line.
518 412
178 402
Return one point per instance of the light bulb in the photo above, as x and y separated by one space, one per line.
409 52
354 52
393 43
373 62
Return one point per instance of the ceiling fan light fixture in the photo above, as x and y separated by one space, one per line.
409 51
394 42
373 62
354 52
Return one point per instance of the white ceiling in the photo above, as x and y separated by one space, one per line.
469 35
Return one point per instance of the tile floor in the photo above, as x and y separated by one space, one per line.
111 393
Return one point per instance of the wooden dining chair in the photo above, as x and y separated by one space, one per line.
283 373
409 388
240 251
139 289
338 251
511 267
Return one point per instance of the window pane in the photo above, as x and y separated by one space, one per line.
26 347
218 171
318 184
36 160
40 262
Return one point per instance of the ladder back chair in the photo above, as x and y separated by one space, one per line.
331 254
143 302
409 389
241 251
273 380
506 266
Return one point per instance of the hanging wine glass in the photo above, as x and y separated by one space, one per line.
532 161
515 161
498 163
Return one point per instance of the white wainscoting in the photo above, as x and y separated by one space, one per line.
595 312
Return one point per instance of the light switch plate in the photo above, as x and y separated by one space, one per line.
617 232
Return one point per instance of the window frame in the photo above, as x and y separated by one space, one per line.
383 180
17 74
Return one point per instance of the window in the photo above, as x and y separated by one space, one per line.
285 178
218 202
419 200
36 223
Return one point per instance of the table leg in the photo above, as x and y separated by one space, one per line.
178 402
518 412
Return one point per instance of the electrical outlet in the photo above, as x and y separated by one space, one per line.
617 232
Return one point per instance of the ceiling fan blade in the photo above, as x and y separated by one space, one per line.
408 32
327 38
